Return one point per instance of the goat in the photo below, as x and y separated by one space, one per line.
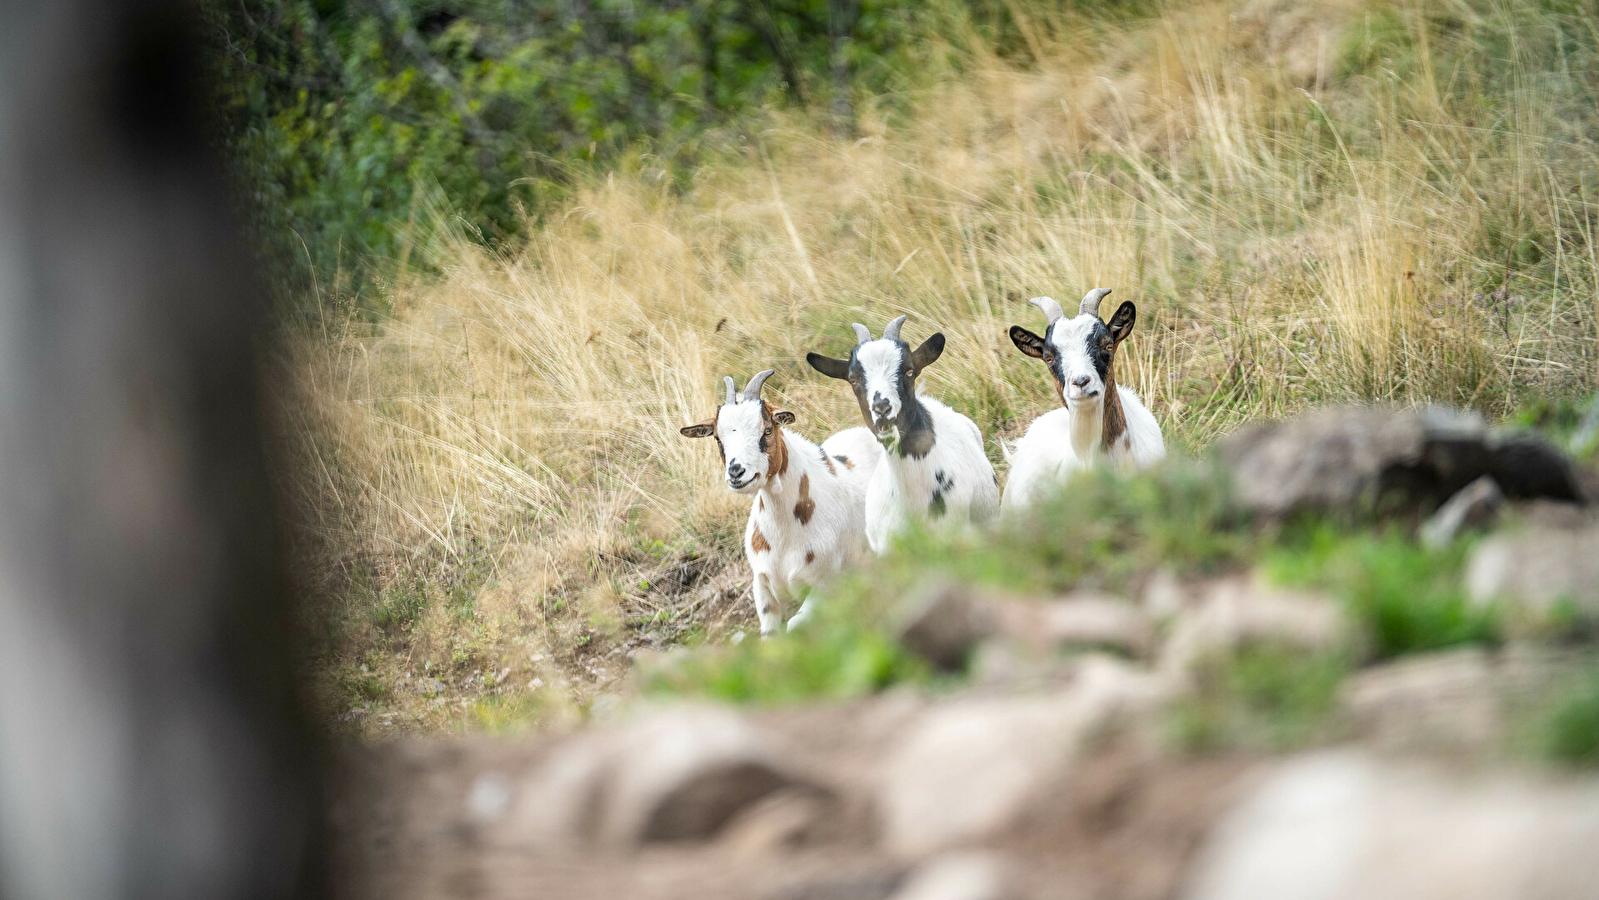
934 465
806 521
1098 419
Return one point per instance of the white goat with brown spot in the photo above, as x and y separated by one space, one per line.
1099 418
808 513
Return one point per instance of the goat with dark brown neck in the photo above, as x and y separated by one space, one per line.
1099 418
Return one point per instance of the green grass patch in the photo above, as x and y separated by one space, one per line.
1260 697
1568 729
845 651
1407 598
1098 531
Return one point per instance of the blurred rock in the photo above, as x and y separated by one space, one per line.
942 622
678 775
1474 506
1346 825
1538 569
1237 611
1348 457
1527 466
1429 702
969 769
968 875
782 820
1163 595
430 687
1078 619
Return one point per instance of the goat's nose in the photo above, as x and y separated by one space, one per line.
880 406
1081 381
735 471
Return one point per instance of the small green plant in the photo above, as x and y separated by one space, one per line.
1568 731
366 687
1265 697
1408 598
842 653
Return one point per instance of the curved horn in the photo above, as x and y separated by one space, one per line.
752 391
1091 301
891 333
732 391
861 334
1052 310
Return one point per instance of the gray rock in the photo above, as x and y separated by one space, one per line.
969 769
942 623
1435 701
1234 612
430 687
1474 506
1538 569
677 775
965 875
1078 619
1455 701
1350 457
1346 825
1527 466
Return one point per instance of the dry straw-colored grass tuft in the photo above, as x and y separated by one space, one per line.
1309 202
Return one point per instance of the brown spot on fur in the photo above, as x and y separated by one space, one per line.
806 507
810 557
762 502
829 460
846 461
758 541
776 448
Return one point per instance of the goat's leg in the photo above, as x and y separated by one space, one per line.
766 605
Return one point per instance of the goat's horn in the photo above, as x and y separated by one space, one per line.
1052 310
752 391
1091 301
732 390
861 334
891 333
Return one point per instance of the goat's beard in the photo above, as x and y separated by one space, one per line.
888 436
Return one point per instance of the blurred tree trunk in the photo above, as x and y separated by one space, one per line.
152 740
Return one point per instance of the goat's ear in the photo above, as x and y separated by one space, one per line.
1121 324
703 429
832 368
1030 344
782 417
928 353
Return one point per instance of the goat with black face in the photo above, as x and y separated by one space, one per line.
934 466
1099 418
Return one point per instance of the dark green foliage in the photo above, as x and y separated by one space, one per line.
353 123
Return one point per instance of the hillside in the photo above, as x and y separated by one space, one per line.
1310 202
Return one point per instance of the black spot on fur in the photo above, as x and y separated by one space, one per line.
942 484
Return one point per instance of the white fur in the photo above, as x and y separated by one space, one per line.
835 534
881 362
903 487
1065 440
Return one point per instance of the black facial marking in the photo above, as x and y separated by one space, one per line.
935 507
1099 346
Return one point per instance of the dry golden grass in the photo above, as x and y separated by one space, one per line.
1309 202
